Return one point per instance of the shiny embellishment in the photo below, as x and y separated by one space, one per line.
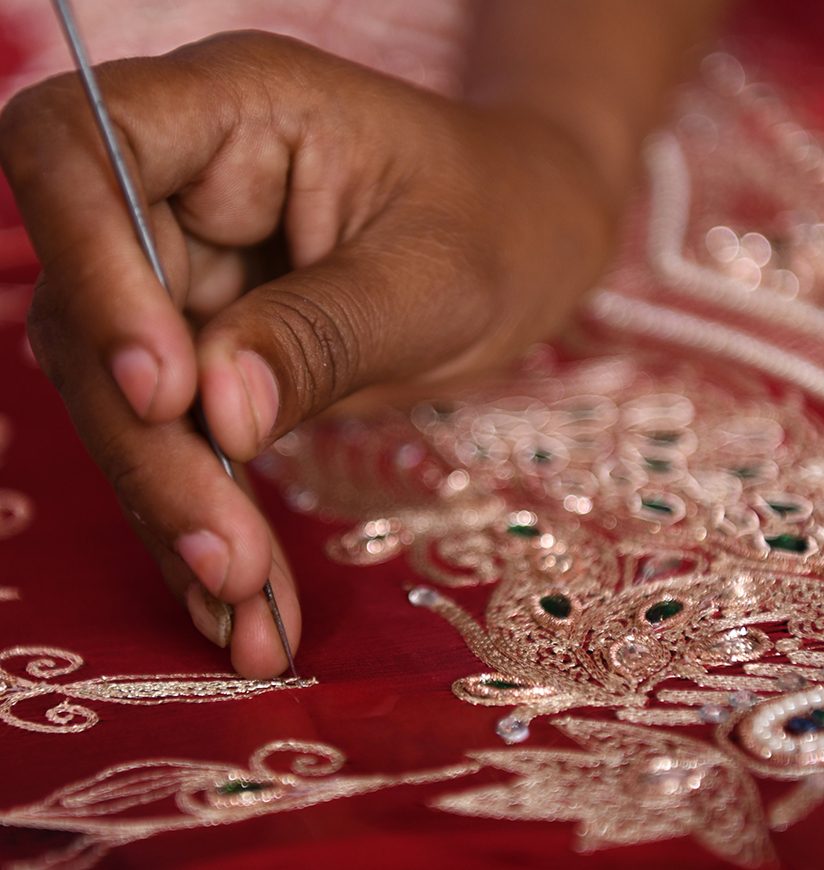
787 542
743 699
556 604
67 717
624 785
524 524
495 683
678 507
100 809
784 731
712 714
512 729
241 786
664 610
800 725
421 596
524 531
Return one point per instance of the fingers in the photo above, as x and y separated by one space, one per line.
374 311
256 648
175 116
211 542
246 627
100 284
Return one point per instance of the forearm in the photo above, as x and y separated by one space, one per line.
600 70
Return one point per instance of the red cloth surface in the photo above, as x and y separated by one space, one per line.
385 668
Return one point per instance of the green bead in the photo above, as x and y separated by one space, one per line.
501 684
790 543
654 504
524 531
659 465
541 456
240 786
782 509
663 610
556 605
818 717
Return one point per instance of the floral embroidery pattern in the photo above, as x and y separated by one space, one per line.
648 543
110 808
66 717
624 784
627 785
647 536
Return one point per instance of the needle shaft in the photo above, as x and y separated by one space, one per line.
144 235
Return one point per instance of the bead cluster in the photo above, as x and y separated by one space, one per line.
788 729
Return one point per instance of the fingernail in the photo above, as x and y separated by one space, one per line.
261 389
136 372
212 618
208 557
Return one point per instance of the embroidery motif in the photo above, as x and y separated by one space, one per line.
9 593
46 663
627 785
731 264
554 647
650 533
110 808
648 538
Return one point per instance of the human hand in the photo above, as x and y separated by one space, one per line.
424 238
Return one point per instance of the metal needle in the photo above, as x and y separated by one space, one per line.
144 235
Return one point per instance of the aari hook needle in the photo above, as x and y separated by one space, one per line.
144 235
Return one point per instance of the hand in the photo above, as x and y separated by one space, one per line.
324 229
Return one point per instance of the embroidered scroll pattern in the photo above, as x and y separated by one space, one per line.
624 785
112 808
649 539
41 665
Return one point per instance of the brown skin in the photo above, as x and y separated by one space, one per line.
427 238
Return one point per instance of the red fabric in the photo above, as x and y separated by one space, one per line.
385 668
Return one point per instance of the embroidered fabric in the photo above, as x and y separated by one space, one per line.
615 653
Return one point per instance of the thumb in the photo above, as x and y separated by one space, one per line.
366 314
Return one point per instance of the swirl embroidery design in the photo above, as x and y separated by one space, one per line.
45 663
110 809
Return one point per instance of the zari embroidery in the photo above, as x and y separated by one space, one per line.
46 663
109 809
627 785
646 534
732 265
647 538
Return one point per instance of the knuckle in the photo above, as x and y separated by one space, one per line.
47 105
320 340
127 478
